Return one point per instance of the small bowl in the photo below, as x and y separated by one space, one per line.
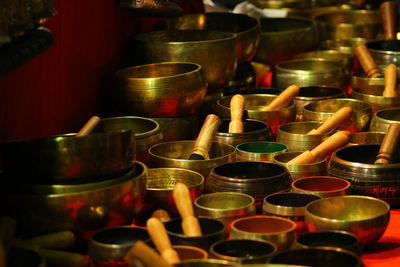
277 230
212 231
382 118
300 170
366 217
190 253
317 257
111 244
289 205
176 154
253 130
337 239
167 89
323 186
243 250
259 151
365 138
225 206
322 110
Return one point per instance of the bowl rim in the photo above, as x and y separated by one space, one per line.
208 208
141 135
199 182
291 229
312 25
366 108
347 187
282 146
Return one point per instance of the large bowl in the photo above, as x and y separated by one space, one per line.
283 38
167 89
81 208
191 46
383 118
176 154
366 217
69 158
322 110
246 28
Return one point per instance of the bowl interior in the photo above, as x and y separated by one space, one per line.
208 227
120 235
339 239
363 154
224 201
290 199
248 126
165 178
389 114
321 184
319 92
249 170
262 147
242 248
159 71
309 65
263 225
333 105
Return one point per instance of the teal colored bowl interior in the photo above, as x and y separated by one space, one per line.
262 147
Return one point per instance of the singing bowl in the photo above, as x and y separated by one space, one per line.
246 28
336 239
344 46
243 250
322 110
318 257
348 24
191 46
253 104
356 165
111 244
323 186
255 178
366 217
225 206
167 89
253 130
294 135
147 132
345 59
382 118
367 85
176 154
366 138
309 72
282 38
259 151
277 230
160 185
300 170
179 128
190 252
385 52
68 158
83 209
212 231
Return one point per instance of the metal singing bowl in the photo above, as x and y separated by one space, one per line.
190 252
333 55
366 217
247 29
322 110
382 118
385 52
253 130
366 138
282 38
367 85
191 46
323 186
344 46
356 165
259 151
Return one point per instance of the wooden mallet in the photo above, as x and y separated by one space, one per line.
283 98
338 118
390 81
89 126
237 108
389 144
367 62
146 255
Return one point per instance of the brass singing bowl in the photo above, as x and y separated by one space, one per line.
176 154
253 130
41 209
382 118
160 185
322 110
365 138
366 217
385 52
191 46
259 151
253 105
375 99
300 170
309 72
332 55
277 230
323 186
243 250
167 89
225 206
348 24
343 46
282 38
147 132
324 256
246 28
294 135
179 128
190 252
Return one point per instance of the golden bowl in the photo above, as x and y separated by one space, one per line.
384 52
176 154
259 151
322 110
375 99
365 138
382 118
225 206
348 24
332 55
253 104
191 46
366 217
300 170
309 72
246 28
277 230
323 186
365 84
294 135
282 38
344 46
167 89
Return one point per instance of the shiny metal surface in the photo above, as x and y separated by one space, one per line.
375 98
323 186
385 52
366 138
382 118
259 151
332 55
179 128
